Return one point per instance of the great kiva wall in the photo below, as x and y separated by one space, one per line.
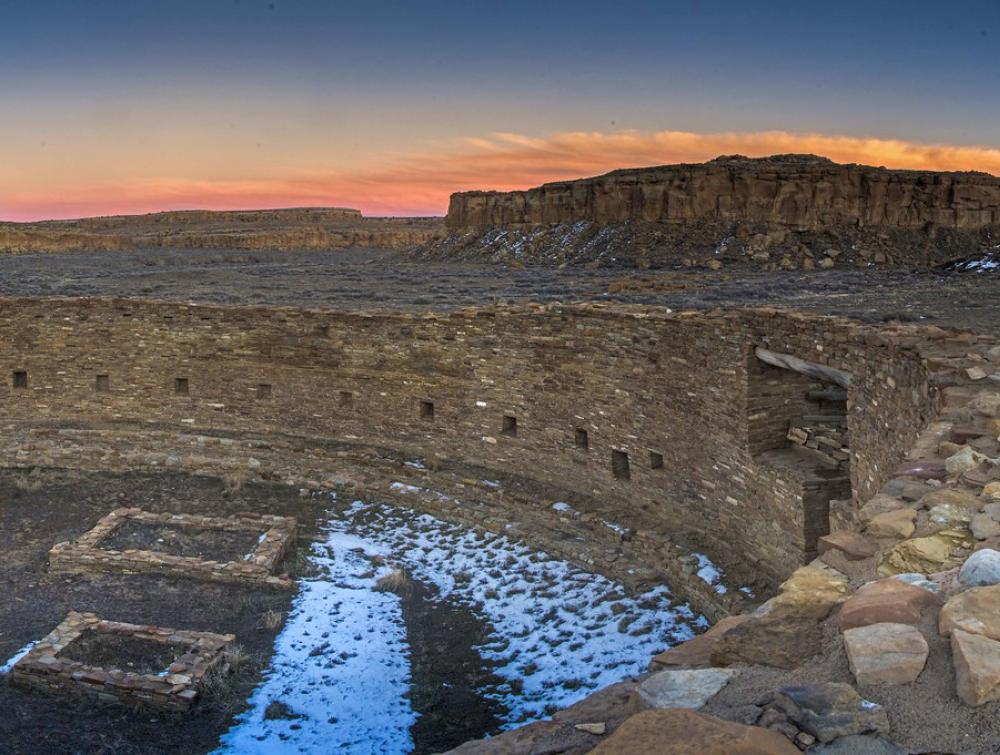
665 419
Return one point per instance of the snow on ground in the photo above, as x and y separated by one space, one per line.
5 669
987 262
556 632
709 573
341 663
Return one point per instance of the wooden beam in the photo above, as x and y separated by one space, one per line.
788 362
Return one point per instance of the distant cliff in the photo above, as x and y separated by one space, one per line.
785 210
299 228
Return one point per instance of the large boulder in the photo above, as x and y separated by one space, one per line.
885 653
698 650
681 688
963 461
853 546
947 515
887 600
976 611
781 642
950 496
685 732
783 632
898 524
923 469
830 710
981 569
879 504
977 667
986 403
984 526
926 555
811 591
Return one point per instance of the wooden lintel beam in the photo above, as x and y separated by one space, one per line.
788 362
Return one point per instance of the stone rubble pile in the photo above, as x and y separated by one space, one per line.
825 441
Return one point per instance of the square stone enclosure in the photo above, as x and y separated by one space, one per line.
86 554
175 688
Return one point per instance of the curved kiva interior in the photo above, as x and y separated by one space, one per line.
668 426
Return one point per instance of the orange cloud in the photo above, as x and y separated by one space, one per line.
419 184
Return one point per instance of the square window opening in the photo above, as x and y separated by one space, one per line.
263 390
102 384
509 426
655 460
345 399
20 379
427 409
181 386
582 439
620 466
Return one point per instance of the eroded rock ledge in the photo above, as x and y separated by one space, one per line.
789 211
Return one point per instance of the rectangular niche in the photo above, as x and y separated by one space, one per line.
509 426
102 384
173 662
20 379
655 460
242 549
620 466
427 410
263 390
181 386
345 399
581 438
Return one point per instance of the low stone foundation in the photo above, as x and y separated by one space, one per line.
173 689
85 554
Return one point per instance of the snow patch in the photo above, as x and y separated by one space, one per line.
556 632
5 669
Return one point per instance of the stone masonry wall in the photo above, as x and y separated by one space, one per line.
668 390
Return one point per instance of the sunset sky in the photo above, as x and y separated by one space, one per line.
122 106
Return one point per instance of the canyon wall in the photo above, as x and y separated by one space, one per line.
736 207
800 193
638 417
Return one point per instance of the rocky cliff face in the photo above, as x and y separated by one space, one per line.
747 206
303 228
798 192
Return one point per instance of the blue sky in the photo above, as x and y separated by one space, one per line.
297 85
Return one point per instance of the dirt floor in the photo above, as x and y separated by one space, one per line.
105 650
213 544
41 510
381 280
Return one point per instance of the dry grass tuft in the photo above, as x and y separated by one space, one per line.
233 482
30 481
227 684
271 620
397 581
